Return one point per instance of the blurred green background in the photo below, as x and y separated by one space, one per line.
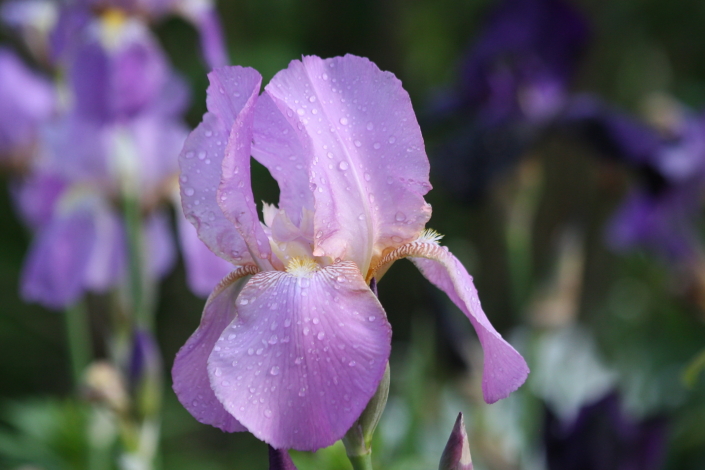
647 328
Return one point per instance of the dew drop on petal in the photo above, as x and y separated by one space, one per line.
189 191
343 166
312 99
321 335
274 370
370 126
358 143
371 318
400 217
376 145
268 413
344 121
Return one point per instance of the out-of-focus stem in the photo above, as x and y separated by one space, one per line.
361 462
137 285
79 340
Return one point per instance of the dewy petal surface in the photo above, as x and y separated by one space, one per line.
234 103
276 146
369 166
504 368
189 373
303 356
201 160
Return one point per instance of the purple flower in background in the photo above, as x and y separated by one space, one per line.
604 437
201 13
27 100
294 354
513 83
660 213
121 136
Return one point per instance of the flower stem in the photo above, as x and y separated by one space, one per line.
361 462
135 248
79 340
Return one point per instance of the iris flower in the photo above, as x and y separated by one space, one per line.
294 352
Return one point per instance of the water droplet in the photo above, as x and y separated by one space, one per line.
273 339
344 121
312 99
302 392
400 217
361 217
352 363
259 351
268 413
274 370
287 323
189 191
208 132
358 143
343 166
392 139
376 145
371 318
300 112
321 335
218 372
306 331
325 76
244 301
298 360
367 176
190 154
370 126
202 155
316 321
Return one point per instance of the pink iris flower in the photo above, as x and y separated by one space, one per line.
294 352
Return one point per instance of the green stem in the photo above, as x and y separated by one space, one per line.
79 340
361 462
135 248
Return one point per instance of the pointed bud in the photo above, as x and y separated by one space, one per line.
456 455
358 440
279 459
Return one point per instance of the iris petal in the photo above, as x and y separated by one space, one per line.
302 358
504 368
190 376
368 162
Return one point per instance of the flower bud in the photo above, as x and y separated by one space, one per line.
279 459
456 455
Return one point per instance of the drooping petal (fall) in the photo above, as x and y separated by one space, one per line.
189 373
53 273
504 368
277 147
368 162
201 160
303 356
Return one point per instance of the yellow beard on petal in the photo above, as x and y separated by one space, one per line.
302 266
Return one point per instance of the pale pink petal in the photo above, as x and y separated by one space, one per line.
303 357
504 368
191 383
277 147
369 167
234 103
203 268
201 160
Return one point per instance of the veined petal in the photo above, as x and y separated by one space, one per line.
303 357
191 383
277 147
201 163
368 162
504 368
234 103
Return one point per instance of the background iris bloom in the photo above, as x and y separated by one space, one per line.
295 354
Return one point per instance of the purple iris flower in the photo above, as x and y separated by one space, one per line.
512 85
660 213
294 353
26 101
201 13
604 437
121 135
